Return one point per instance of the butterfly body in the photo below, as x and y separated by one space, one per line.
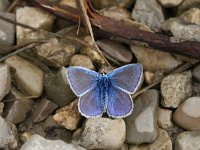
109 93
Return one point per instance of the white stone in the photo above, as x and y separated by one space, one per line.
170 3
146 118
29 77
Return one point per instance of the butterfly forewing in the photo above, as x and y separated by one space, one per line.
119 104
81 79
127 78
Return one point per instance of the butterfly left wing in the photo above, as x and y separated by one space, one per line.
81 80
127 78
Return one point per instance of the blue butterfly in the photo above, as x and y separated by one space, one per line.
105 92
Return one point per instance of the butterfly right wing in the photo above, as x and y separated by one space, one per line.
81 80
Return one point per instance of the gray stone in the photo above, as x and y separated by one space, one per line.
37 142
82 61
57 88
187 114
116 13
7 30
29 78
141 125
163 142
68 116
55 53
8 135
5 80
189 140
33 17
165 119
16 111
176 88
101 133
196 73
100 4
148 12
3 5
170 3
115 51
154 60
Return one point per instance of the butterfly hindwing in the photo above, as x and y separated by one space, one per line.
91 104
119 103
128 77
81 79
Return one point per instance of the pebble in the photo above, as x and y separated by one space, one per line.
187 114
33 17
94 55
8 138
101 4
176 88
56 53
115 51
16 111
101 133
3 5
188 140
151 77
116 13
148 12
186 5
82 61
71 3
5 80
57 88
170 3
141 125
29 78
1 108
154 60
191 16
68 116
42 109
196 73
7 30
163 142
37 142
165 119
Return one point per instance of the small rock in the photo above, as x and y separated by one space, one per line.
7 135
191 16
148 12
188 141
101 4
187 114
7 30
154 60
43 109
71 3
55 53
175 88
3 5
124 147
101 133
196 73
29 78
25 136
116 13
91 53
186 5
16 111
170 3
5 80
33 17
37 142
165 119
163 142
141 125
115 51
57 88
1 108
82 60
68 116
151 77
